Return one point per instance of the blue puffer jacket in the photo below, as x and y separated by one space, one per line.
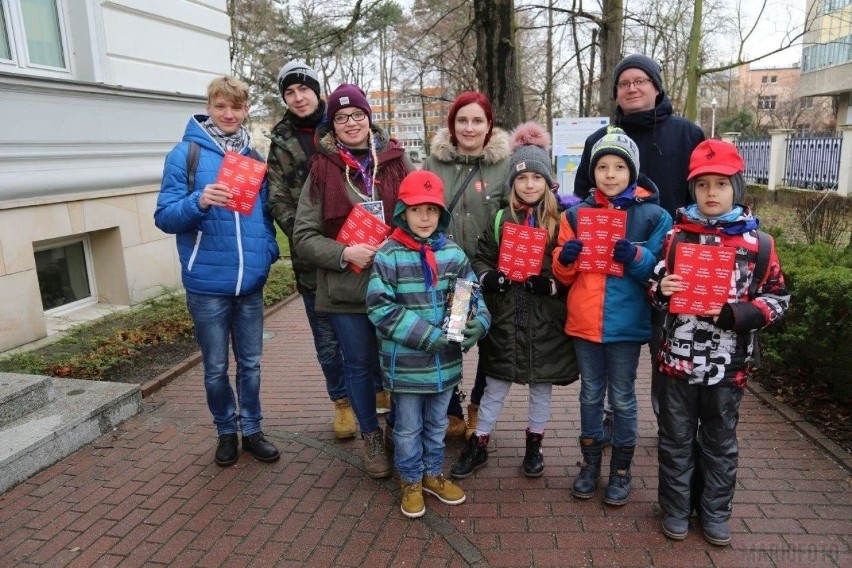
222 252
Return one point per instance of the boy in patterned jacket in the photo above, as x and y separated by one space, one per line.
406 299
706 359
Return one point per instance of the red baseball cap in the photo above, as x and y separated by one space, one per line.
420 187
715 157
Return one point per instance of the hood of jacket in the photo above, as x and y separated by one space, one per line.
497 148
399 219
195 132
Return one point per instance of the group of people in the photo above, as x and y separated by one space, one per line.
377 312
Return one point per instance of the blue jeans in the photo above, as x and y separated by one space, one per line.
418 434
361 368
608 368
328 350
238 320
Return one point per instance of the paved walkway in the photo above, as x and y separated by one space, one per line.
149 494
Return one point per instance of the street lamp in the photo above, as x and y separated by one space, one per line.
713 105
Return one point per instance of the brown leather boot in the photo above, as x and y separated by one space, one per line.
344 420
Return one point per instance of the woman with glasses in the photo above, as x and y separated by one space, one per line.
355 165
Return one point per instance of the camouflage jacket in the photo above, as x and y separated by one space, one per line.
288 169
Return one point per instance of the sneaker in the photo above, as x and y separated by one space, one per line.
344 420
376 462
226 450
456 427
263 449
717 533
674 528
383 402
472 419
412 505
445 490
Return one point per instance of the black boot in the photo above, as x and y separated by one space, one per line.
226 450
534 458
263 449
586 483
618 490
474 456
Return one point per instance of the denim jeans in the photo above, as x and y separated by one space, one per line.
361 367
418 434
328 350
494 397
608 368
238 320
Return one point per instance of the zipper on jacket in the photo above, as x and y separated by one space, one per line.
239 253
194 252
437 317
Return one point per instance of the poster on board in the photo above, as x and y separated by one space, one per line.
569 138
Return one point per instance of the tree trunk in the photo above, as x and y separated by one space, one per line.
692 69
612 23
496 64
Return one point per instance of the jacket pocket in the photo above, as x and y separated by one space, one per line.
195 248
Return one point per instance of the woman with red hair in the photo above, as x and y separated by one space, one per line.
471 157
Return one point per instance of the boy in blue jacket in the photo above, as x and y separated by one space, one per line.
225 258
406 301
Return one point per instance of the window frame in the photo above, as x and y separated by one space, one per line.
19 51
92 298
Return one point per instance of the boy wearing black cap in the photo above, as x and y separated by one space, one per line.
705 360
608 316
406 298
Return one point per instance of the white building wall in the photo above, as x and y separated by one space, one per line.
82 151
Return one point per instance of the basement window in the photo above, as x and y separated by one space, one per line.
64 275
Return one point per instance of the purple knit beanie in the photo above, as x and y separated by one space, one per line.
348 95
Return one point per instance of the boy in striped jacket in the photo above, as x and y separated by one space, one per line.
406 300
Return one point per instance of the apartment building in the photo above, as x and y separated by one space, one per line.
827 55
411 116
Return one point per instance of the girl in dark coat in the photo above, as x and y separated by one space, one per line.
526 344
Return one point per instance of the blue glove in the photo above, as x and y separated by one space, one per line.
624 251
570 251
473 332
493 281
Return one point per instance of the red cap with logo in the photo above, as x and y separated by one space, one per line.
715 157
420 187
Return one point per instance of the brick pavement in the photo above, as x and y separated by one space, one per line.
149 494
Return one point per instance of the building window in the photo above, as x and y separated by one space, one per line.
32 34
806 103
773 79
767 103
64 275
764 79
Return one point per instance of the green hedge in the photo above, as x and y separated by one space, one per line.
814 339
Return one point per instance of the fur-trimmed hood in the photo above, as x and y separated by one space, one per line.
496 150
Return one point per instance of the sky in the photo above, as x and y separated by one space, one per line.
778 18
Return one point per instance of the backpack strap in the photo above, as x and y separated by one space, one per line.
497 219
191 165
764 247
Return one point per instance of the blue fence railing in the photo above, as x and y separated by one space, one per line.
755 152
813 160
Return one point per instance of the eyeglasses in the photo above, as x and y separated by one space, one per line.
357 116
638 83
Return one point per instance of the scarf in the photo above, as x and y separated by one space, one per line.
236 142
529 213
426 250
620 201
328 185
361 167
734 222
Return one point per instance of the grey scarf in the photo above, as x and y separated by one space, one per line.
235 142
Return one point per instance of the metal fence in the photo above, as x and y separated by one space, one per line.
813 160
755 152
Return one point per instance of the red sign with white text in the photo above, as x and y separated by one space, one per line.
362 227
599 229
244 177
706 271
521 251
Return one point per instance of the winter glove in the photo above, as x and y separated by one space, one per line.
493 281
439 344
570 251
538 285
473 332
624 251
726 318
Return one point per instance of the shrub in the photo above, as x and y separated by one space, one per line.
813 337
824 217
